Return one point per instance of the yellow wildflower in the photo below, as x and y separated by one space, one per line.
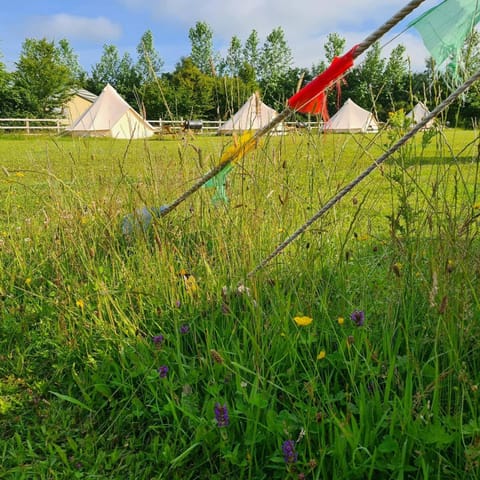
191 284
321 355
80 303
28 281
340 320
19 174
303 321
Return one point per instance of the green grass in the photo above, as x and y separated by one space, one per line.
80 391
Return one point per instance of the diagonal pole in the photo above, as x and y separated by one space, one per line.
253 141
336 198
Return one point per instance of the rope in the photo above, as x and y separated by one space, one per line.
335 199
370 40
400 15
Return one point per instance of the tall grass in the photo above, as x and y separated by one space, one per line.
90 320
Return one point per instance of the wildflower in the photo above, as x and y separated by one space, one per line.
162 371
189 280
184 329
221 415
80 304
358 317
19 174
289 453
158 340
340 320
321 355
28 281
178 303
303 321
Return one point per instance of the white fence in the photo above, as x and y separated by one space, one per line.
163 127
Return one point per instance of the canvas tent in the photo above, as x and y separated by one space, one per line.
352 118
418 113
111 116
253 115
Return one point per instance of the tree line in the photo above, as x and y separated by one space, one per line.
211 87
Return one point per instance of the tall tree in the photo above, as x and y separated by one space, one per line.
395 91
70 60
202 54
276 56
42 81
149 63
194 91
276 59
334 46
251 52
6 94
118 71
106 70
233 62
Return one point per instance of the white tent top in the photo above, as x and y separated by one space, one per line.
352 118
418 113
253 115
111 116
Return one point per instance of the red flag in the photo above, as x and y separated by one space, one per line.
312 98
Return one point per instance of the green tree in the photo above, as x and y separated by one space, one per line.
70 60
395 90
276 59
42 82
149 63
202 54
118 71
251 53
6 94
106 70
334 46
193 92
366 82
233 62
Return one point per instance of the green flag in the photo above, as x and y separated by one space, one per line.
445 28
219 181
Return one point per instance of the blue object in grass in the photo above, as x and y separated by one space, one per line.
140 220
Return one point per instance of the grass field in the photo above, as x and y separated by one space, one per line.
352 355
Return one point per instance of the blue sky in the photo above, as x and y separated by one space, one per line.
88 25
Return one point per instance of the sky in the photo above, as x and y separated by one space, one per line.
89 25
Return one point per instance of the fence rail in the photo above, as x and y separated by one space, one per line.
58 125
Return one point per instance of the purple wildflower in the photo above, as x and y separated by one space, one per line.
184 329
221 415
358 318
162 371
289 453
158 340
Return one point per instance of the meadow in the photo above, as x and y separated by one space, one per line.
354 354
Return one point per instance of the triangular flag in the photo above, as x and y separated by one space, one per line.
219 182
240 147
445 28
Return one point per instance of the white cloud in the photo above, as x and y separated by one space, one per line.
306 24
73 27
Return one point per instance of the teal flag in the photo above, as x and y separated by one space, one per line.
445 28
219 182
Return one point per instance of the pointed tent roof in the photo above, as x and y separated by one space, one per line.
352 118
253 115
418 113
111 116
